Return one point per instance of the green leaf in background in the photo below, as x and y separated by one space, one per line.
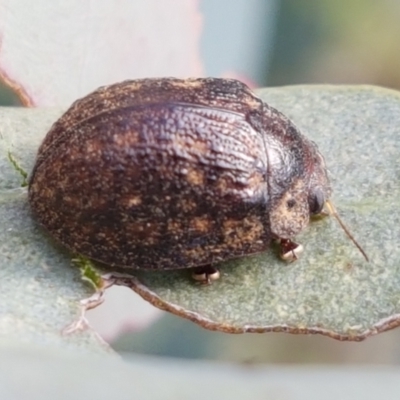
331 290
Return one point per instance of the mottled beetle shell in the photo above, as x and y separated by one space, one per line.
168 173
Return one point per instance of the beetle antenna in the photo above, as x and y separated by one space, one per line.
333 212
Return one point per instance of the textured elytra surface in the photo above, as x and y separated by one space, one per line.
168 173
331 290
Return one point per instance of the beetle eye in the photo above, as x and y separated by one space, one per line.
316 201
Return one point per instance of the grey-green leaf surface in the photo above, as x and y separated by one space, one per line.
331 290
39 290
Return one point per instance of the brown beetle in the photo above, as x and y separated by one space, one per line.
168 173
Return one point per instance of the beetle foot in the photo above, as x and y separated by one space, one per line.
321 215
205 275
290 251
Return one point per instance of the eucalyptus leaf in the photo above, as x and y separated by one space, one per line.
331 290
40 291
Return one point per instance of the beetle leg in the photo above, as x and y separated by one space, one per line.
205 275
290 251
321 215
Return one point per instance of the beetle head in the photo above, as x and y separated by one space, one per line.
299 187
